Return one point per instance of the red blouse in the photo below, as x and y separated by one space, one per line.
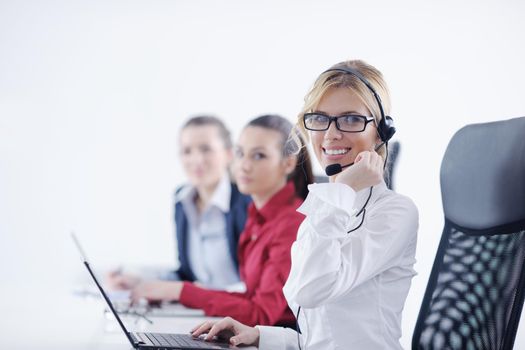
264 264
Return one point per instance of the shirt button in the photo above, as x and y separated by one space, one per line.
254 237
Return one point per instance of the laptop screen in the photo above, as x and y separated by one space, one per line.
108 301
104 295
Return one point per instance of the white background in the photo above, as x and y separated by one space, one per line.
92 95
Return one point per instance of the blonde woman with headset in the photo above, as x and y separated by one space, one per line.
352 261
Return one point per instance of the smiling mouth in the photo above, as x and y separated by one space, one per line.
336 152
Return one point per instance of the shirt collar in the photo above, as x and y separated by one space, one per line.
222 194
275 204
220 198
185 193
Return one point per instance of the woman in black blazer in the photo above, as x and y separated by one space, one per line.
210 212
235 220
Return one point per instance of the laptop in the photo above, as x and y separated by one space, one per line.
152 341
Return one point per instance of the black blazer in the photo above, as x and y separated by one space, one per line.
235 220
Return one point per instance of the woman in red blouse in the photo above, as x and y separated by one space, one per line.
266 168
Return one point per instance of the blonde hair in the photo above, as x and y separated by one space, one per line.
337 79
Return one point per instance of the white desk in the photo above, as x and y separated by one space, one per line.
63 321
34 318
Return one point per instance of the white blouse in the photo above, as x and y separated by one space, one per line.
351 287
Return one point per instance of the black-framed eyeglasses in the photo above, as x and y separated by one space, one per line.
346 123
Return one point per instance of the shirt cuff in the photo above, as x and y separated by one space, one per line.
193 296
337 195
329 209
276 338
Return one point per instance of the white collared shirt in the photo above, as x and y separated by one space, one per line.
351 286
208 251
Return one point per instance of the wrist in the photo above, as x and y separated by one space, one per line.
257 335
176 290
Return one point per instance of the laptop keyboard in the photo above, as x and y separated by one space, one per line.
179 340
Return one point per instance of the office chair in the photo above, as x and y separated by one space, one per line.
475 292
393 153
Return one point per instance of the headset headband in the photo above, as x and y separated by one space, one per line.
364 81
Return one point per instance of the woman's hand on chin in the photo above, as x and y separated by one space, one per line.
367 171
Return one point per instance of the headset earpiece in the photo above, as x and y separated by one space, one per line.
386 128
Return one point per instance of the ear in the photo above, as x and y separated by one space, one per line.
377 141
290 163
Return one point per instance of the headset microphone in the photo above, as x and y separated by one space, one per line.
336 168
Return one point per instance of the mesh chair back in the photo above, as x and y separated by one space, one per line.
394 148
475 291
